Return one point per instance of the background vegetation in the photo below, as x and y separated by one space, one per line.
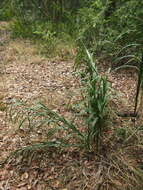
105 26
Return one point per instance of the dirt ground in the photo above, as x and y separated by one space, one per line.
26 75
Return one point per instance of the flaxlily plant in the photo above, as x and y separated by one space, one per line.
61 132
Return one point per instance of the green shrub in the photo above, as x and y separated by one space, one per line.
20 29
6 11
106 35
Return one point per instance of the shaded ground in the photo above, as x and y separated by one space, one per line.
25 75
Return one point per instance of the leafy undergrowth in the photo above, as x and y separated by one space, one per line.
27 76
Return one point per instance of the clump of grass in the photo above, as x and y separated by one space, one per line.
97 99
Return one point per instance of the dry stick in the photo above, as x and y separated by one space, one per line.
139 84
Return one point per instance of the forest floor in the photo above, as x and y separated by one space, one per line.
26 75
